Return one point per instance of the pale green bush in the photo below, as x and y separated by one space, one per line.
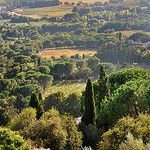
133 144
24 119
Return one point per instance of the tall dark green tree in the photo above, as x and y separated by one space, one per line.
34 101
89 115
104 90
40 97
40 111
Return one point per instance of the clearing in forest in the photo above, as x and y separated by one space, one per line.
66 87
57 52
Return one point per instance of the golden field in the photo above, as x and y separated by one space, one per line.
65 51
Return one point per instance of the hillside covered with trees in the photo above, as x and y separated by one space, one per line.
113 110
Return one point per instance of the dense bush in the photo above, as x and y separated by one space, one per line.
11 140
139 127
24 119
133 143
54 131
4 117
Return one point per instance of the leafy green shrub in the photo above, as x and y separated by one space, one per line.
139 127
54 131
24 119
71 104
91 136
133 143
54 100
10 140
4 117
44 69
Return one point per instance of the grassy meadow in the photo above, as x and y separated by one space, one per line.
66 86
54 11
57 52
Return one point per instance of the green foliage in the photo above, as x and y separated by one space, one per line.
140 37
109 67
83 11
139 128
21 102
54 100
71 104
74 138
5 117
40 111
34 101
92 62
64 69
75 9
27 90
89 114
121 77
131 98
11 140
91 136
7 84
44 69
55 132
104 91
24 119
133 143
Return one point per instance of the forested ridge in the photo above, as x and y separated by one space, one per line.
86 101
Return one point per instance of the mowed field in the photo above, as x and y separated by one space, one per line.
65 51
54 11
66 87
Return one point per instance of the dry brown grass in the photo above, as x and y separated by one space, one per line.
65 51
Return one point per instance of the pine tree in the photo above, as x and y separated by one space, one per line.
34 102
89 115
104 90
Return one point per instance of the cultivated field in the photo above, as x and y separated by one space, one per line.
65 51
85 1
67 87
54 11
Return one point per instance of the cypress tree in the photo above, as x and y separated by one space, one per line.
40 97
40 111
104 90
89 115
34 102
